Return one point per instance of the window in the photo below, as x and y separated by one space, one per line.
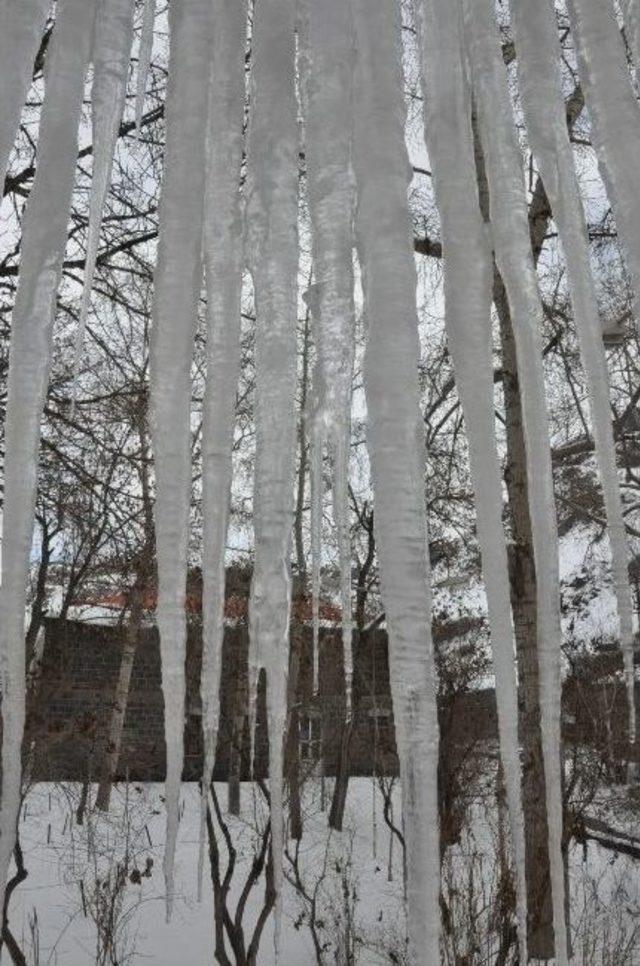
309 737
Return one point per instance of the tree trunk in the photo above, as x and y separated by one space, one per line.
143 571
129 647
523 587
292 756
524 603
238 721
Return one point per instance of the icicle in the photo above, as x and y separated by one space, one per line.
316 446
44 236
538 63
468 277
510 231
272 240
615 119
341 518
317 485
328 88
144 59
396 447
112 49
20 33
177 289
223 257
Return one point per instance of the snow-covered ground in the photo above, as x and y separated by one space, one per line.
59 855
356 878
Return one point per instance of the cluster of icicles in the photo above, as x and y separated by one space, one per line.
345 56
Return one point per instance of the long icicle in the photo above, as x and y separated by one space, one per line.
397 449
44 236
144 59
538 62
223 259
328 132
615 119
317 513
468 277
112 51
510 231
178 280
272 252
20 33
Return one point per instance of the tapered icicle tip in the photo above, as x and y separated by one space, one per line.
277 929
169 900
252 712
168 871
80 337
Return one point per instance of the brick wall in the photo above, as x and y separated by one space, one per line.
68 722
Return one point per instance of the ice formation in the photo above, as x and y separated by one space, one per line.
615 119
44 235
178 282
328 136
272 256
468 279
223 262
344 81
112 51
396 447
19 40
540 88
510 234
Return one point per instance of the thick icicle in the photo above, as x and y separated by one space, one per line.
44 235
223 258
510 231
20 33
615 119
328 129
538 61
272 240
468 278
112 49
178 281
144 58
397 449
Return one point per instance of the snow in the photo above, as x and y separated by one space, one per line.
178 282
396 448
59 854
44 235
